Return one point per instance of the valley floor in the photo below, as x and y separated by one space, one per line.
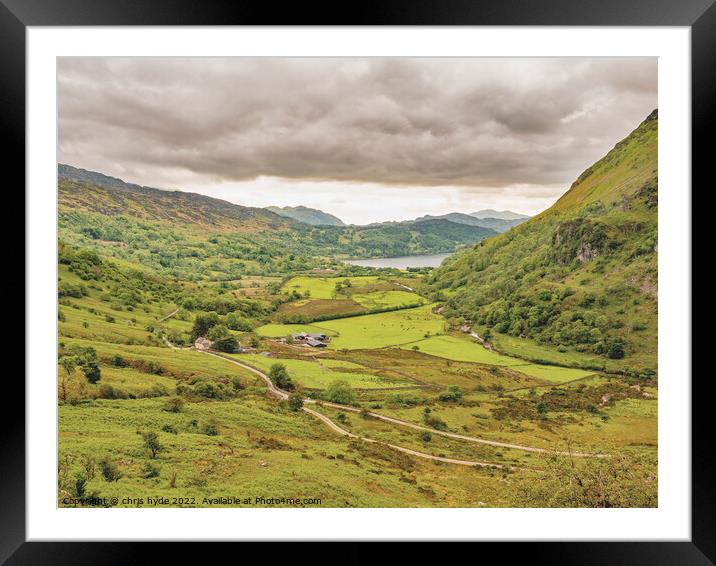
431 418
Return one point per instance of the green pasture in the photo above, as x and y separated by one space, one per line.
319 375
323 287
384 329
368 331
386 299
467 350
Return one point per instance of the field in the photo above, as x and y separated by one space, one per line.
368 331
319 373
323 287
387 299
261 451
468 350
219 433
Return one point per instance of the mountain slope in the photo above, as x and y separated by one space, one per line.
581 275
194 236
307 215
90 191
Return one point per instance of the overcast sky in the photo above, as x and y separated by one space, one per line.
365 139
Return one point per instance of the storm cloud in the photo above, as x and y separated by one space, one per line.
474 123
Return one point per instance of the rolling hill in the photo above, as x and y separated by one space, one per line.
307 215
189 234
581 275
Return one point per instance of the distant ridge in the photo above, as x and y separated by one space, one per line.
496 224
307 215
501 214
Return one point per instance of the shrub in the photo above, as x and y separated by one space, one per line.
435 422
227 344
295 401
340 392
119 361
278 374
452 394
207 389
106 391
109 469
210 428
150 470
426 436
174 404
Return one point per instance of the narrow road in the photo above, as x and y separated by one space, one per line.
171 314
281 394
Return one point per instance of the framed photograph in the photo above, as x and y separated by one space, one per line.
424 275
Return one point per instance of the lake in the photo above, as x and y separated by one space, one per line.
403 262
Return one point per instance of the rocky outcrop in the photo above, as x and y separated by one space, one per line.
586 253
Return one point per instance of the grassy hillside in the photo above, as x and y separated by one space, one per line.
582 275
188 235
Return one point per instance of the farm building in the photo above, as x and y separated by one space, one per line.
321 337
202 343
313 340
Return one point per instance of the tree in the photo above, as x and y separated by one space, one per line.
295 401
616 351
239 323
86 359
151 443
340 392
542 409
92 371
624 479
227 344
68 363
202 323
278 374
217 332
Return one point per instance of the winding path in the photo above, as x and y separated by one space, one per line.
171 314
281 394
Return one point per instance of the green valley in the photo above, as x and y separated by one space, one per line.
208 348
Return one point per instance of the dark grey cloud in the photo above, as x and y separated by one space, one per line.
468 122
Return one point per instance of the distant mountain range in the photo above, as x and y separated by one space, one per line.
501 214
307 215
86 195
493 223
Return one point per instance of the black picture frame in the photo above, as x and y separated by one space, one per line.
17 15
